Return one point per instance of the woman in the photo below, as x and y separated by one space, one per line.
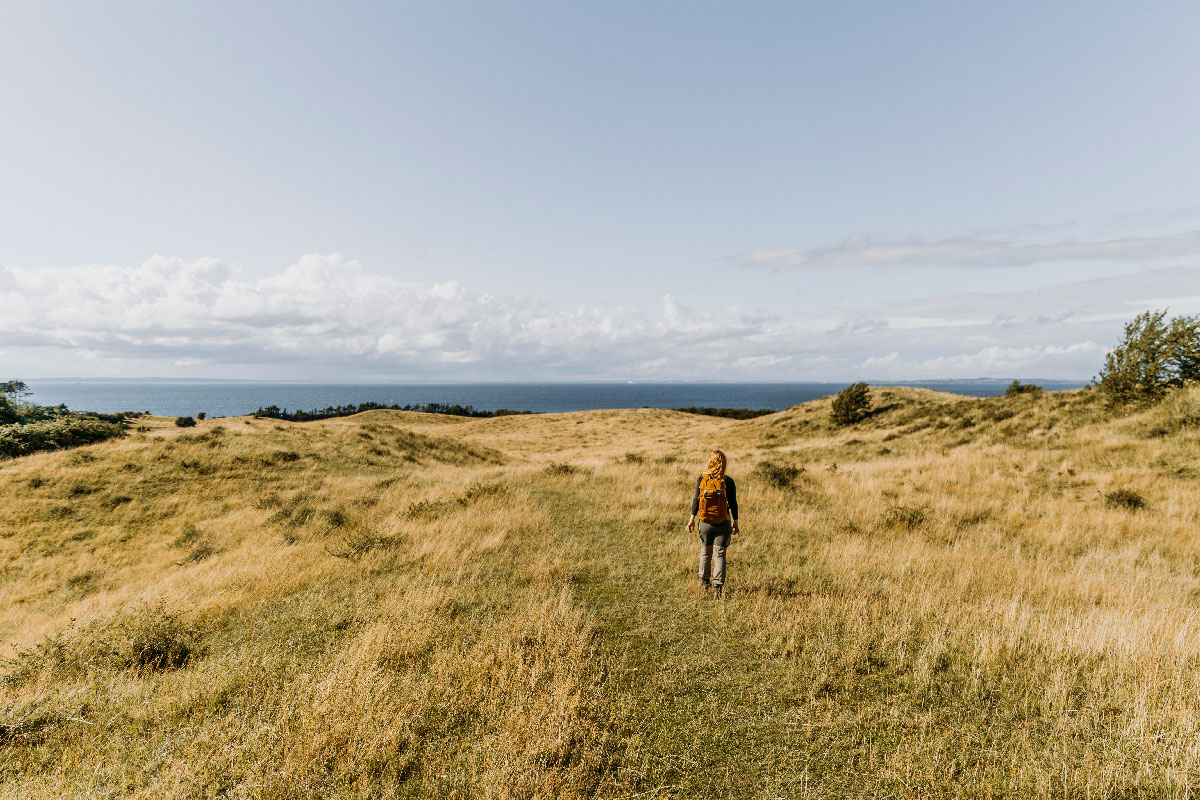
715 503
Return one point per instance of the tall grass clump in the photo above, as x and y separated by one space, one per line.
1125 498
772 473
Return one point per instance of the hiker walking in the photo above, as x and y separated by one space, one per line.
715 503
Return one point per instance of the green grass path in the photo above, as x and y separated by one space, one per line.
701 709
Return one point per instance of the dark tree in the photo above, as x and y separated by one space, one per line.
1154 356
14 390
11 393
853 404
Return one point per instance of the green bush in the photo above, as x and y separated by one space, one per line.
853 404
57 433
1154 356
1016 389
8 412
728 413
781 476
185 422
13 410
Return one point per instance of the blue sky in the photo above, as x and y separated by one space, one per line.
625 191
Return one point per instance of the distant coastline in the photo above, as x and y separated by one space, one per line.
217 398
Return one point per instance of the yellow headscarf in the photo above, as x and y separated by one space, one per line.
716 465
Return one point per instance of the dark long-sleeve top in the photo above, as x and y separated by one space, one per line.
730 490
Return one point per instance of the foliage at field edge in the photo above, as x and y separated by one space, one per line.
27 428
332 412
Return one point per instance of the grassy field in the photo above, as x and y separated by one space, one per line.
954 598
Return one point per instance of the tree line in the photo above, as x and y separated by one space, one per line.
329 412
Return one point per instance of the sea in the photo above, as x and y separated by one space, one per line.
234 398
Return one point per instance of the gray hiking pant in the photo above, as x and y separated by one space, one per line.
714 539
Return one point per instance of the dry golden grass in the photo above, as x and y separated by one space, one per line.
954 598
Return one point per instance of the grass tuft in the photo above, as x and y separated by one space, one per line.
781 476
1125 498
902 517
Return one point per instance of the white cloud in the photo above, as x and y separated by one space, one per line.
966 251
759 362
996 361
883 361
328 317
330 313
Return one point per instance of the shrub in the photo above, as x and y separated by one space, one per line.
1125 498
1154 355
1016 388
54 434
185 422
852 404
557 468
427 509
150 637
201 415
907 517
781 476
728 413
482 491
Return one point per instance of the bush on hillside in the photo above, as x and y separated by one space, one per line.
54 434
781 476
1016 389
728 413
1125 498
1154 356
185 422
148 638
853 404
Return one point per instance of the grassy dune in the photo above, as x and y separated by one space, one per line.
955 598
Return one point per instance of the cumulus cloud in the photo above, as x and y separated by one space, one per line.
330 311
329 317
967 251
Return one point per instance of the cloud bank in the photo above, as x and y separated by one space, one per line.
328 317
863 251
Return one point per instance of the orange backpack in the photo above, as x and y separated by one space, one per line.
714 506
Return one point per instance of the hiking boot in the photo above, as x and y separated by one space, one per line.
717 592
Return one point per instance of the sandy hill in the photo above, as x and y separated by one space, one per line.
953 598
